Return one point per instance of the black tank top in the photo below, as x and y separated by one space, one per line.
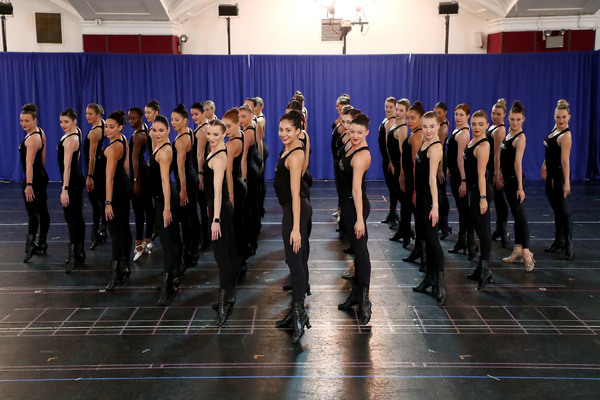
155 176
237 161
209 178
39 171
282 180
252 150
346 172
100 166
382 138
190 172
553 154
121 182
335 135
195 146
507 157
471 173
422 168
490 138
142 165
60 149
393 146
453 151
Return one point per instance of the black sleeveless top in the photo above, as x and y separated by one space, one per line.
553 154
471 173
39 171
191 177
422 168
282 180
393 146
100 166
156 178
195 146
237 161
60 149
252 153
121 182
382 138
490 138
209 178
453 151
507 157
142 165
335 135
407 162
346 172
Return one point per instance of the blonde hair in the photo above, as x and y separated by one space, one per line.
480 113
501 103
562 105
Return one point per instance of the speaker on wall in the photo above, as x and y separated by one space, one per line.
6 8
228 10
447 8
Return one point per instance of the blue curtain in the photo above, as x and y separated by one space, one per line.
57 81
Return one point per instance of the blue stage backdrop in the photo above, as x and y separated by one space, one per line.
56 81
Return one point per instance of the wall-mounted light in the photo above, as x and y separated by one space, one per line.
183 38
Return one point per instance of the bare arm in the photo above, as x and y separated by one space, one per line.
435 158
33 145
113 154
360 164
520 144
499 136
233 150
200 149
94 136
182 145
219 164
462 139
164 159
295 164
70 145
482 153
565 143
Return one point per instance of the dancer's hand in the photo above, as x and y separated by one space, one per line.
295 240
359 229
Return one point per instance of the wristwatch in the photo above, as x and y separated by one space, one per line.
482 196
108 202
217 220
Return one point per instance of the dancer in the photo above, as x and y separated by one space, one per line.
477 154
556 171
427 162
293 196
141 196
199 152
355 211
441 110
495 135
117 198
186 179
209 109
396 136
384 128
33 160
253 224
458 181
220 213
96 179
71 195
151 111
511 164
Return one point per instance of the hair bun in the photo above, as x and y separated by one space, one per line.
180 107
29 108
502 102
562 103
119 116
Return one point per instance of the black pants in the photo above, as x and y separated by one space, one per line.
239 219
224 247
97 197
390 182
253 224
444 204
37 210
501 207
462 204
74 211
516 208
118 227
170 238
143 209
481 222
406 208
362 260
204 222
190 224
297 262
433 249
562 216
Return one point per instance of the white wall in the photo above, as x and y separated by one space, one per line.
21 34
294 27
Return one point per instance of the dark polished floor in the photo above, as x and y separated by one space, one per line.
528 336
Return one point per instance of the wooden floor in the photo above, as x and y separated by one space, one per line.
529 336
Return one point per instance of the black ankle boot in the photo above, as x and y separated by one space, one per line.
71 262
472 246
102 233
445 229
569 250
461 244
364 306
115 276
426 283
299 320
423 266
504 236
41 247
486 274
351 300
559 242
475 275
124 268
29 247
223 307
440 289
406 238
397 237
415 254
164 289
95 239
80 253
285 322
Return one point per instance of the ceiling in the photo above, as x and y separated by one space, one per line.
181 10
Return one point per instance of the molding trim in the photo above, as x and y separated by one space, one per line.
543 23
131 28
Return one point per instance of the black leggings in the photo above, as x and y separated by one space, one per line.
462 205
406 208
204 222
143 210
433 249
297 262
253 224
481 222
97 197
224 247
362 260
389 182
190 224
37 210
239 220
74 211
562 216
170 238
443 202
516 208
118 227
501 207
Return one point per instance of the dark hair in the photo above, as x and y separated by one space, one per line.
137 110
418 107
161 118
180 109
232 114
154 105
197 106
361 119
69 112
294 105
96 107
30 109
219 123
119 116
344 99
517 108
299 97
465 107
480 113
430 114
252 100
353 112
442 105
295 117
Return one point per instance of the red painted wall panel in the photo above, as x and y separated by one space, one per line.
123 44
94 43
518 42
582 40
159 45
494 45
